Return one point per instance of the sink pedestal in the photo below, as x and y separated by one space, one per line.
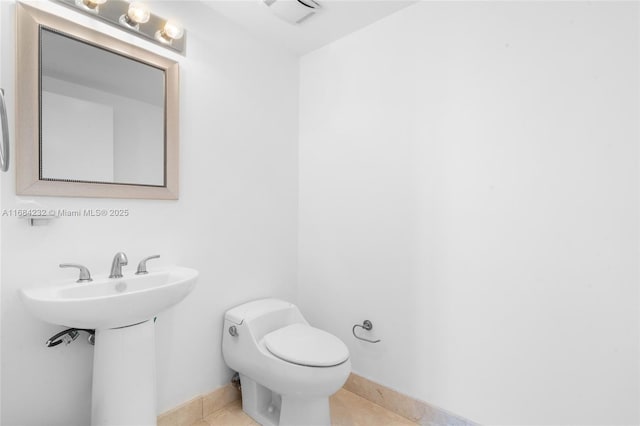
124 376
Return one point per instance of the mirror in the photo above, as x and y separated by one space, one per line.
101 114
106 113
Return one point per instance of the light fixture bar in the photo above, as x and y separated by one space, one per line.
116 13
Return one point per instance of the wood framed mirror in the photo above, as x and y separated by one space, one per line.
96 116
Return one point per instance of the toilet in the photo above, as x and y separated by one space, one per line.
287 368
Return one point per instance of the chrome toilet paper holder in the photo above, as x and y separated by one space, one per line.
367 325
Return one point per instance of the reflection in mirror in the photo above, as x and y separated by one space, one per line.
102 115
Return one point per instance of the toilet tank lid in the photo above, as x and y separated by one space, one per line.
254 309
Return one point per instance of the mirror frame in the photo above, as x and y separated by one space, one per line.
28 182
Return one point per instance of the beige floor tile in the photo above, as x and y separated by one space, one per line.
230 415
347 409
200 423
218 399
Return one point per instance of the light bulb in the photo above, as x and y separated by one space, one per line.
138 13
93 4
172 31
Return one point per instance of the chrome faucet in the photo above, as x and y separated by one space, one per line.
119 260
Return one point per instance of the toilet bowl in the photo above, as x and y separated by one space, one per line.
287 368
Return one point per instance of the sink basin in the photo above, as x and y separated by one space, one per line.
108 303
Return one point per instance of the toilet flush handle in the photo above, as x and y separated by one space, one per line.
233 331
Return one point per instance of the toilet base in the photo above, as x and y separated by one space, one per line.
305 411
271 409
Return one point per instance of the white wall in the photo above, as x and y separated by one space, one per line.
235 222
80 152
136 144
469 183
136 139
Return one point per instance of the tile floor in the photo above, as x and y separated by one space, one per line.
347 409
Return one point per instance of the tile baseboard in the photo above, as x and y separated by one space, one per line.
413 409
184 414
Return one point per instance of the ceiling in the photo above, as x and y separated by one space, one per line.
74 61
335 19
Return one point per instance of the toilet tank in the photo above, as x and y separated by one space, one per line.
264 316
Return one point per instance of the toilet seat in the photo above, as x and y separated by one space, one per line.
305 345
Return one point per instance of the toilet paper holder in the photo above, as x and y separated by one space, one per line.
367 325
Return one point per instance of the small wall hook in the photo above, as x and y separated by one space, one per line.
367 325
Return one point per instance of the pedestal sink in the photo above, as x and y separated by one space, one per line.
121 310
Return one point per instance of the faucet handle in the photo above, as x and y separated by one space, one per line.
142 266
85 275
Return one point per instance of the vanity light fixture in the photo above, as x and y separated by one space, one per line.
135 18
